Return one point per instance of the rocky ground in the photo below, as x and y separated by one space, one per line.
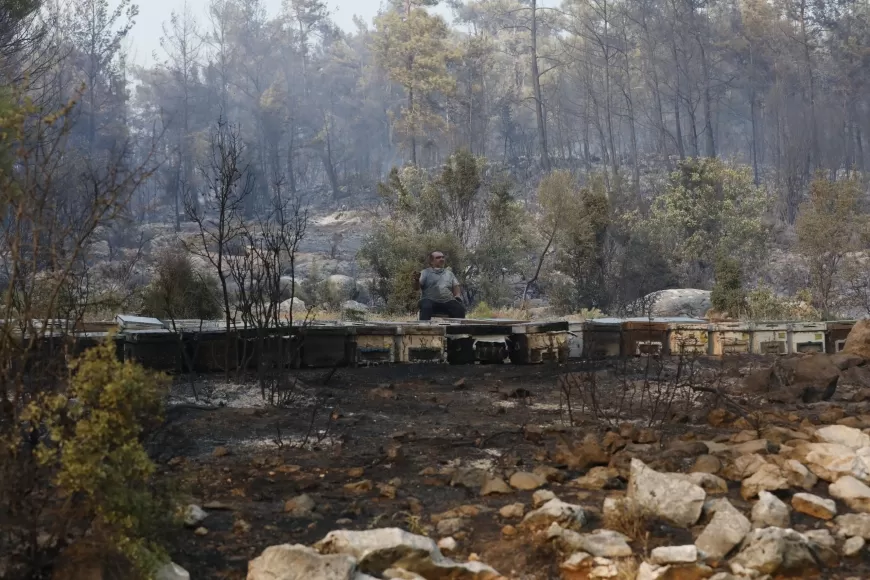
478 472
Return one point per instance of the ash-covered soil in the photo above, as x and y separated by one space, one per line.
415 446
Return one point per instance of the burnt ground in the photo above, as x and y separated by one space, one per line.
406 425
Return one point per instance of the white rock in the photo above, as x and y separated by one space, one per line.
600 543
853 545
542 496
798 475
558 511
769 510
813 505
194 515
830 461
669 497
299 562
400 574
775 550
843 435
769 477
854 493
648 571
727 529
171 571
674 555
523 480
447 544
852 525
575 561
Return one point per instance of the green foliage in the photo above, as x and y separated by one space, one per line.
178 291
582 221
709 209
482 310
727 295
763 304
95 451
477 224
830 224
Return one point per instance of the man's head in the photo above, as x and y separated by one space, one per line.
436 259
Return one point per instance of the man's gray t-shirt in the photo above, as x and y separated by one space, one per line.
437 284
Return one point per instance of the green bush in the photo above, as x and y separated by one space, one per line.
102 474
179 291
727 295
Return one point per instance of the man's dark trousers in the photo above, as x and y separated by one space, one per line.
452 309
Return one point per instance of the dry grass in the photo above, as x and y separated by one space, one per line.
630 520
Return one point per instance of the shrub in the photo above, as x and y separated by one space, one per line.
482 310
103 477
179 291
727 295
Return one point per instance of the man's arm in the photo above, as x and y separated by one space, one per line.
457 290
417 276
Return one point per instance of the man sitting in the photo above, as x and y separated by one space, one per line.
440 290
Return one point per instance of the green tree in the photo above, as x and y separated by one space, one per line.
829 226
411 45
709 209
728 295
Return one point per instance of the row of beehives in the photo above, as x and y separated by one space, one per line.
192 345
610 337
203 347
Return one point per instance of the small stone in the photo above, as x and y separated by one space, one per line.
707 464
744 466
299 506
668 496
597 478
549 473
447 544
361 486
200 531
831 415
415 506
194 515
220 451
386 490
509 531
171 571
813 505
674 554
852 546
494 485
357 472
240 526
512 510
842 435
344 521
769 511
526 481
798 475
647 436
459 384
541 497
450 526
558 511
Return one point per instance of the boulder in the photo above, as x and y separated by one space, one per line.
854 525
798 475
297 562
813 505
670 497
776 551
817 370
852 492
353 308
598 478
768 478
678 302
727 529
770 511
842 435
858 340
856 377
291 305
